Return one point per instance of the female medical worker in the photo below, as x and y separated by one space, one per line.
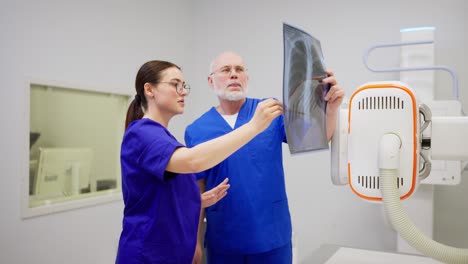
161 195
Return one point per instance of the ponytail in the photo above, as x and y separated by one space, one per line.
134 111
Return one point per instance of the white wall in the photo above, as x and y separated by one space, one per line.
97 44
323 213
102 45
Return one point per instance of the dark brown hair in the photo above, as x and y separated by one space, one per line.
150 72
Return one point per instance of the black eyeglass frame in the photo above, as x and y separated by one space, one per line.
179 86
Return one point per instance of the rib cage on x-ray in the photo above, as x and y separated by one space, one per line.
303 92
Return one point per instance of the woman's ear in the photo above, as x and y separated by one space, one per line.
148 89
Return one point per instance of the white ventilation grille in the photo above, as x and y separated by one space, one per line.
381 102
373 182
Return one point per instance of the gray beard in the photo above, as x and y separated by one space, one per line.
232 96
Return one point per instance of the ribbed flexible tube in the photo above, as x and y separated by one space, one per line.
406 228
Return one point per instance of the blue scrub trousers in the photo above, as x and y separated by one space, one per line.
281 255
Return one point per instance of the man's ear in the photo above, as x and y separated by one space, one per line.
210 81
148 89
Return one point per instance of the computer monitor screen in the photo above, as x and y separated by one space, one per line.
33 137
63 171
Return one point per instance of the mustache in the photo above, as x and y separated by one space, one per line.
234 83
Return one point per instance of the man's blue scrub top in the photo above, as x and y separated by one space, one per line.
254 216
162 209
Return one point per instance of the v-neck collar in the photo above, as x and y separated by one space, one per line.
240 116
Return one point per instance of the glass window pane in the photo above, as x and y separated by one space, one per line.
75 138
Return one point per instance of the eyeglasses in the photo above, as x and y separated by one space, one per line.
180 87
226 70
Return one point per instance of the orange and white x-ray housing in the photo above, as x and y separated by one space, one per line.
376 109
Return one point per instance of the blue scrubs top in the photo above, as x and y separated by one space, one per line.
254 216
162 208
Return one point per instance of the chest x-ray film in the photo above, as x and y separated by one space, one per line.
303 91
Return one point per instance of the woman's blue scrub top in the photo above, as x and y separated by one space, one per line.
161 208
